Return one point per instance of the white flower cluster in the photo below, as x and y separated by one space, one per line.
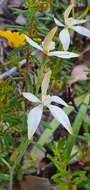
46 100
70 23
47 48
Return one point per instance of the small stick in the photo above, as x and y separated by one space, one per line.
12 71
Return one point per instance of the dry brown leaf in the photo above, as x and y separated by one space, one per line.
21 19
36 183
14 3
85 55
3 5
39 157
79 72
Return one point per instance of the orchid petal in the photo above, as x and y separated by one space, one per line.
31 97
63 54
34 118
64 37
33 44
82 30
45 82
67 12
60 116
58 23
72 21
52 45
58 100
48 39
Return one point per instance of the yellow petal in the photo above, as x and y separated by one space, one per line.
67 12
48 40
45 82
14 39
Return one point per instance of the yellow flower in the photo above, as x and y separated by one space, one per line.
15 39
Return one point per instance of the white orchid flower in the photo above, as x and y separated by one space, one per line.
46 100
70 23
48 46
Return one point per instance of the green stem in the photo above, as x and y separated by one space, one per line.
11 180
21 150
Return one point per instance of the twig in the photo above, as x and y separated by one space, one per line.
12 71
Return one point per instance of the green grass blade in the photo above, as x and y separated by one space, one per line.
76 125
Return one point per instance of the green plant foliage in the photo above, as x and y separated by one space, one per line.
19 156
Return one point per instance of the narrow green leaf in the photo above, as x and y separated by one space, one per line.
4 177
20 152
76 125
